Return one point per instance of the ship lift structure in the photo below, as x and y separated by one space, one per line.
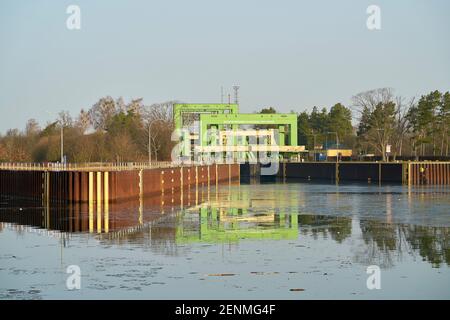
219 129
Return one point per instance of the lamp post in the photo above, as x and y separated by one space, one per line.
314 142
62 142
337 144
337 138
61 136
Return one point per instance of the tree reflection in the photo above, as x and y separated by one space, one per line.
432 243
381 241
384 241
339 228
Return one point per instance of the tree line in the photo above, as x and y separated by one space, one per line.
115 130
414 127
110 131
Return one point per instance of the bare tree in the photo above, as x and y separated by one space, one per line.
101 112
32 128
377 117
120 105
15 147
401 123
83 121
65 119
135 106
159 125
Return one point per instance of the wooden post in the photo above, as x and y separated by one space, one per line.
70 195
196 185
446 173
379 173
208 176
84 187
47 199
181 187
417 173
196 176
106 199
44 187
161 179
47 188
436 173
337 171
76 186
91 201
141 183
99 202
409 174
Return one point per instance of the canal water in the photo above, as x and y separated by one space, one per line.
295 240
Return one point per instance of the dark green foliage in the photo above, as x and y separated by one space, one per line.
322 126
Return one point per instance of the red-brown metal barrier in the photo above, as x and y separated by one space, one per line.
428 173
103 186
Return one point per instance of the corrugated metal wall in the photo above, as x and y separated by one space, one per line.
104 186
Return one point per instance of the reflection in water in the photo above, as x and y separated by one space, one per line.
384 241
339 228
218 224
386 219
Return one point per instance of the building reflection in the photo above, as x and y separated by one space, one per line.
229 214
219 224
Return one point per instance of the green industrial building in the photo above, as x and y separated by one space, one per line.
219 129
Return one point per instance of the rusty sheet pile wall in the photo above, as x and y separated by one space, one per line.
72 186
422 173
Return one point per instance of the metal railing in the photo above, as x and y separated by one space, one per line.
88 166
96 166
119 166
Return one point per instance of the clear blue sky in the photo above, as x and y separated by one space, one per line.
288 54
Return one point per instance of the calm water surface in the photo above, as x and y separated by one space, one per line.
238 241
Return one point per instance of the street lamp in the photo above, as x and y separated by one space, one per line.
62 142
337 144
61 136
314 142
337 138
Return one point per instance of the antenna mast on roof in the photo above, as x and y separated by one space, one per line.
236 96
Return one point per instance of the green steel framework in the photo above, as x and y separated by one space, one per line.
217 116
212 230
180 108
192 108
287 136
